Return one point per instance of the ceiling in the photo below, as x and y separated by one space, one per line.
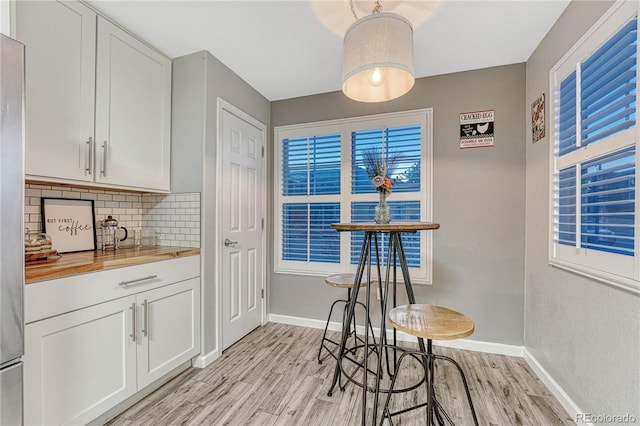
291 48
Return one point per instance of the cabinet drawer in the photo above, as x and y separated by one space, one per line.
45 299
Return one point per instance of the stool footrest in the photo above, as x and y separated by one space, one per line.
428 358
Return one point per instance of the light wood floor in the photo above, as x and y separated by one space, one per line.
272 377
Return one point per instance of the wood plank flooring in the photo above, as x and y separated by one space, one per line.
272 377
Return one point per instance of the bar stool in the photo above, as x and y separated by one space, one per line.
342 281
431 323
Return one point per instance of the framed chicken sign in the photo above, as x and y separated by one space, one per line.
476 129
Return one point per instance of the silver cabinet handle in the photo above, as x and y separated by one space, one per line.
137 280
145 318
104 159
228 242
133 321
89 162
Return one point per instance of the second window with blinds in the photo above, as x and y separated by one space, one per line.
320 179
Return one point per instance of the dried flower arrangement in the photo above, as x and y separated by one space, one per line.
380 167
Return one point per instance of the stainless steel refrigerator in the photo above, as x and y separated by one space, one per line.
11 230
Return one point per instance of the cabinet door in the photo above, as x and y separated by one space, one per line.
80 364
60 87
170 329
133 106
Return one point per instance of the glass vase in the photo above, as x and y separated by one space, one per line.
382 211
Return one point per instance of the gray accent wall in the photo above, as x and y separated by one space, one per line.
478 199
584 333
198 80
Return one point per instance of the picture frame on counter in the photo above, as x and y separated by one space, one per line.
71 223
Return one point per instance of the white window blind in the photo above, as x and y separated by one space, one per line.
321 180
594 156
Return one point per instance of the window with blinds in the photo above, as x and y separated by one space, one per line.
401 142
594 157
321 179
311 166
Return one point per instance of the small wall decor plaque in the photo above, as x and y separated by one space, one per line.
537 119
70 223
476 129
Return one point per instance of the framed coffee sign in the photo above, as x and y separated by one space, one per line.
70 224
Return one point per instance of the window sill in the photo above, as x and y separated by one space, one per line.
622 283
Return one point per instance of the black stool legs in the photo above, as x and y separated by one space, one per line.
434 409
357 341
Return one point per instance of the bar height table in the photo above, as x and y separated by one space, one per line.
395 252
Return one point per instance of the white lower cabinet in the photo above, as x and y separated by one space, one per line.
169 329
80 364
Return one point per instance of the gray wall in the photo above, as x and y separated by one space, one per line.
198 80
585 333
478 200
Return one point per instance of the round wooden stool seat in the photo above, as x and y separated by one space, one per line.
431 322
344 280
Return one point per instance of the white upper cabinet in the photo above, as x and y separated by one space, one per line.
60 87
98 100
133 101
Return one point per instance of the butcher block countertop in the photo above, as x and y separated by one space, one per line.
92 261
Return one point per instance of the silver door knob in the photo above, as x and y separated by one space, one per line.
228 242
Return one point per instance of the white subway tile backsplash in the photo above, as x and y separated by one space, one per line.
40 186
51 193
88 196
175 217
71 194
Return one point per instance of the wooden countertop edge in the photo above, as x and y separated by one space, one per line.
52 271
148 258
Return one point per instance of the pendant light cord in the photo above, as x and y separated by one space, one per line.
376 9
353 11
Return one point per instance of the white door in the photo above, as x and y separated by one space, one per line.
243 193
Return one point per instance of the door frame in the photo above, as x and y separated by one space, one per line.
222 106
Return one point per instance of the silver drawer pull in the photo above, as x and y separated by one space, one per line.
134 314
104 159
137 280
145 318
89 168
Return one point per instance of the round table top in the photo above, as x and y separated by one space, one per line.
431 322
389 227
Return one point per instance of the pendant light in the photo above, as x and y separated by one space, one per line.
378 57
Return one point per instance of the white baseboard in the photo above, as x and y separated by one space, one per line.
465 344
203 360
557 391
